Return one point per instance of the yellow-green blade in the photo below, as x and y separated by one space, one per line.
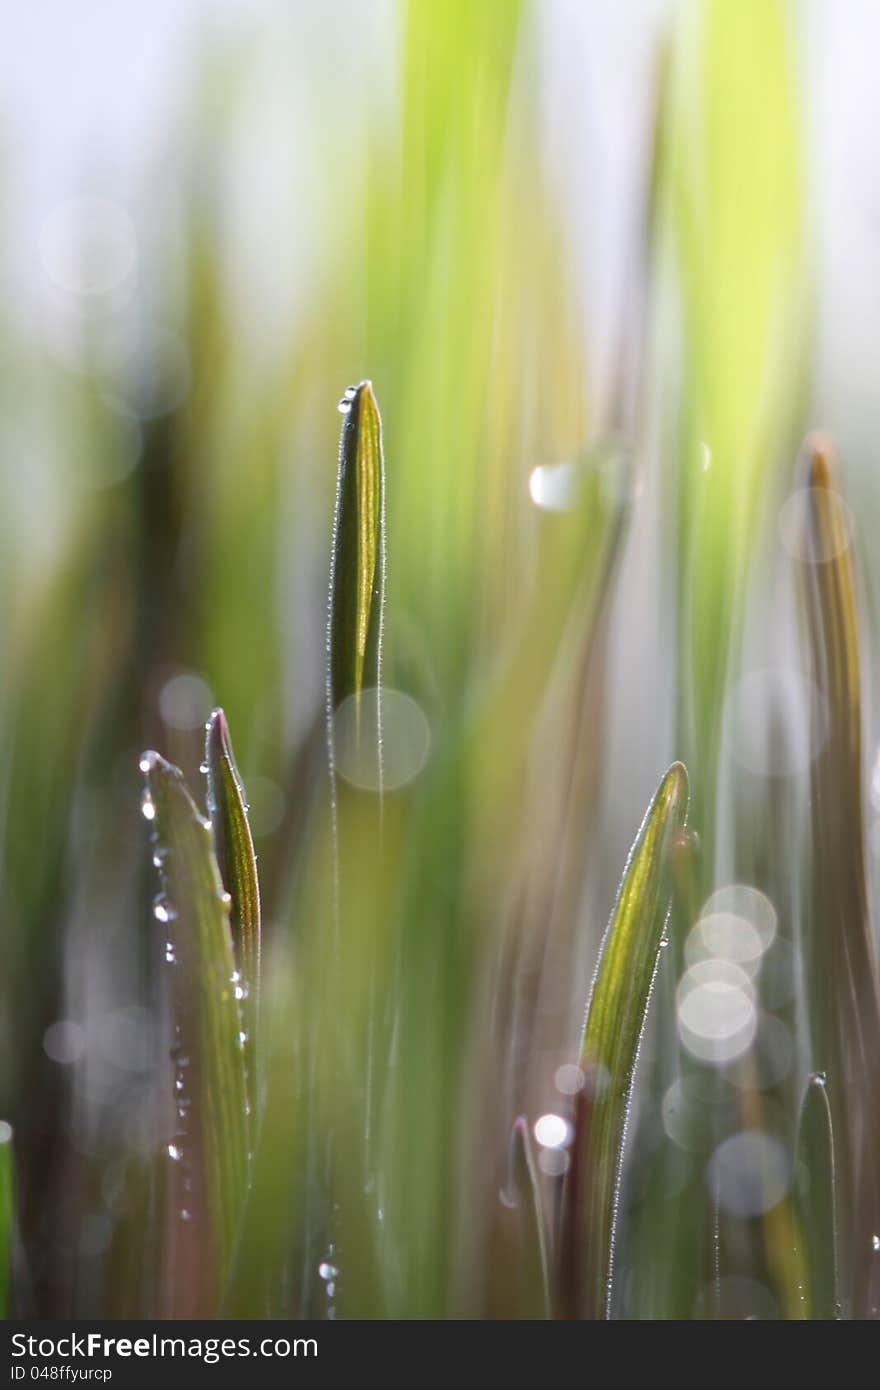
613 1029
733 157
208 1151
357 573
237 862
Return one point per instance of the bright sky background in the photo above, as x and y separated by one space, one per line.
88 88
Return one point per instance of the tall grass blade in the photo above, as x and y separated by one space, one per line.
615 1018
846 1010
735 178
234 851
815 1201
210 1146
354 1034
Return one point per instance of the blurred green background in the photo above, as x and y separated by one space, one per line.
606 267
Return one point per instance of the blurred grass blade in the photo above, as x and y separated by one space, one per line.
815 1201
357 571
520 1277
209 1150
612 1033
7 1214
846 1005
733 154
234 851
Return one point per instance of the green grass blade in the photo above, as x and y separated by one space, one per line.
209 1151
733 153
843 970
7 1214
615 1018
815 1201
234 851
357 574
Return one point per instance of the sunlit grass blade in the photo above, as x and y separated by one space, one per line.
815 1201
355 1037
615 1019
209 1149
845 1005
234 851
7 1214
732 150
357 571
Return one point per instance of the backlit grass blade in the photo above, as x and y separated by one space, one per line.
7 1214
733 153
209 1148
846 1005
612 1033
815 1201
357 571
234 851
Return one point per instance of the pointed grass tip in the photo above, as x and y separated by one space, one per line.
821 458
675 786
217 738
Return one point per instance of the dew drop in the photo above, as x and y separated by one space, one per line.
327 1271
185 1215
163 910
875 1242
175 1153
148 807
344 406
203 769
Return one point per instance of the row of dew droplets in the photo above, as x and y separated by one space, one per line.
165 914
165 911
240 988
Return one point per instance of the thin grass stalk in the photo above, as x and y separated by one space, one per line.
845 1006
816 1199
628 961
